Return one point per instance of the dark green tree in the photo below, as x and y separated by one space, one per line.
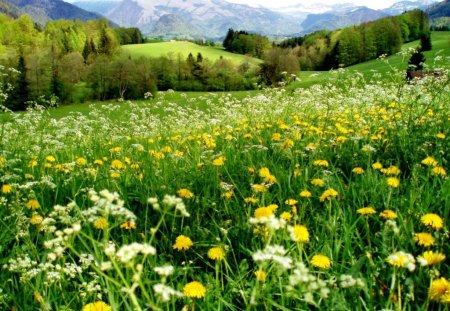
86 50
20 95
416 61
425 42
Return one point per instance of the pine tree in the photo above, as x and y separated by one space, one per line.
105 45
416 61
86 50
425 42
20 95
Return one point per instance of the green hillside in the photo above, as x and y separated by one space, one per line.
184 48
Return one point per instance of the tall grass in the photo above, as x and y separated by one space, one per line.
325 198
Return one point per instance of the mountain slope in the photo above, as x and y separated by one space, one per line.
42 11
441 9
100 7
402 6
9 9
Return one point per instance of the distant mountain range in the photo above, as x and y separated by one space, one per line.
209 19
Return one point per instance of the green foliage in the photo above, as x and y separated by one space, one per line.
242 42
130 35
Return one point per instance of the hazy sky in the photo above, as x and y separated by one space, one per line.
378 4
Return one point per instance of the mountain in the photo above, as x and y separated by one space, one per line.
9 9
42 11
402 6
210 18
100 7
340 18
441 9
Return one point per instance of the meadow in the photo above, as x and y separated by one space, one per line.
183 48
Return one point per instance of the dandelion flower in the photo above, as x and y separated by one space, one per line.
6 189
250 200
439 289
393 182
216 253
305 194
182 243
81 161
299 233
290 202
440 136
286 216
321 261
439 171
185 193
318 182
432 221
260 276
366 211
128 225
402 260
328 195
263 212
430 258
377 166
194 289
391 171
101 223
36 219
424 239
97 306
32 204
219 161
429 161
358 170
322 163
259 188
388 214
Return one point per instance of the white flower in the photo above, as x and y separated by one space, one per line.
165 292
164 271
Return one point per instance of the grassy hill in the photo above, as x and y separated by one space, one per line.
184 48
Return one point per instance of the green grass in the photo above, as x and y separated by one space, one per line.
183 48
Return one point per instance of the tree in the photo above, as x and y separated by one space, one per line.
425 42
416 61
18 98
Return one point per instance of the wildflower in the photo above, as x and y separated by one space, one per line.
128 225
260 276
318 182
321 261
164 271
430 258
299 233
219 161
36 219
366 211
259 188
101 223
286 216
322 163
393 182
200 165
439 290
228 195
290 202
114 174
276 136
97 306
32 163
6 189
440 136
251 170
437 170
194 290
424 239
37 297
185 193
305 194
388 214
377 166
250 200
98 162
263 212
32 204
81 161
117 165
272 207
166 292
358 170
328 195
391 171
429 161
182 243
216 253
432 221
402 260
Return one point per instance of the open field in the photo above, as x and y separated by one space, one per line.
333 198
184 48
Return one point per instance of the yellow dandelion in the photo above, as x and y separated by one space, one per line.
272 207
377 166
32 163
358 170
305 194
321 261
81 161
228 195
439 288
97 306
286 216
216 253
219 161
50 159
182 243
432 221
437 170
290 202
299 233
263 212
260 276
393 182
430 258
114 174
391 171
259 188
366 211
322 163
276 136
388 214
185 193
328 194
36 219
128 225
194 289
424 239
318 182
117 165
440 136
32 204
250 200
429 161
101 223
401 260
200 165
6 189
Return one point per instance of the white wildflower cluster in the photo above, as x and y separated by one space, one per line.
126 253
305 285
347 281
164 271
170 201
60 240
62 213
166 293
271 222
105 204
275 253
92 288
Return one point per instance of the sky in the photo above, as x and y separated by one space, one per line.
378 4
